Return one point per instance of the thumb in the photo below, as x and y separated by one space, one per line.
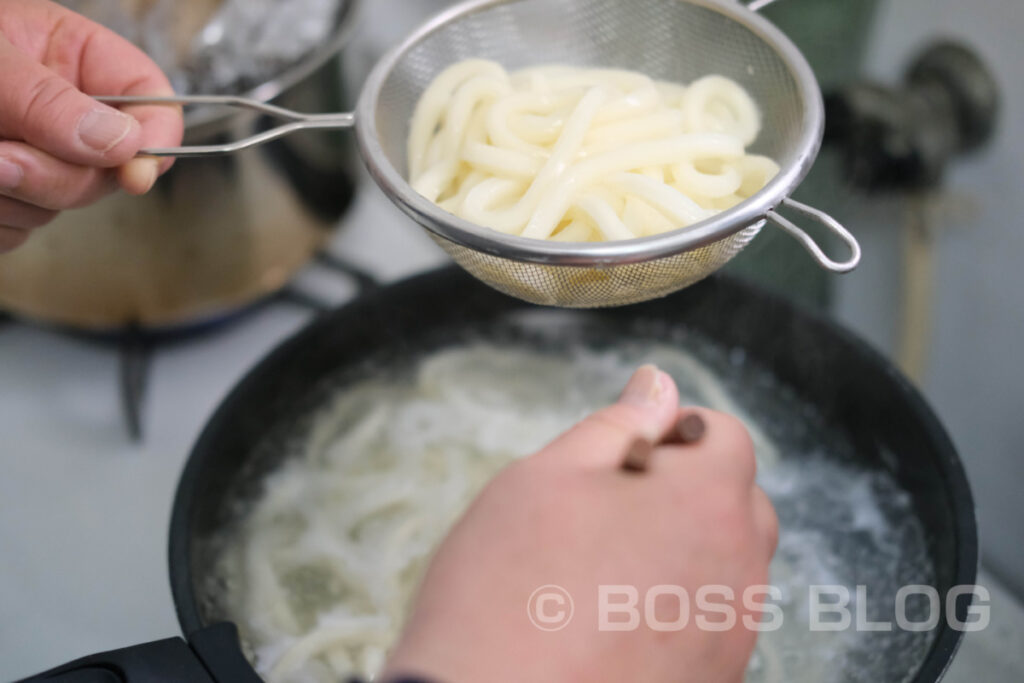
41 108
647 409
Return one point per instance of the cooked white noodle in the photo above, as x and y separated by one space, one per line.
573 154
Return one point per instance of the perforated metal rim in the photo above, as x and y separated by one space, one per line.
472 236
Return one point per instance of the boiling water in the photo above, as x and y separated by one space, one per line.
320 568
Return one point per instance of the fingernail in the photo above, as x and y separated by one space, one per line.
10 174
102 129
643 388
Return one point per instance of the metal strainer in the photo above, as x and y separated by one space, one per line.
673 40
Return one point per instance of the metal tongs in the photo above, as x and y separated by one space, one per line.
293 122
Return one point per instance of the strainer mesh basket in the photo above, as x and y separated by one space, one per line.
597 286
674 40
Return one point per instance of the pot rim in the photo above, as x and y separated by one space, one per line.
348 15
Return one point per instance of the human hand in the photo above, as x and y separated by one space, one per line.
59 148
570 516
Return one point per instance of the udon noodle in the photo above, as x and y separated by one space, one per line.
578 155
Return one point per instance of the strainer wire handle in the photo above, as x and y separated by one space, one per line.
294 121
808 242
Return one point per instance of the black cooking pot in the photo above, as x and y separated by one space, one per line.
854 388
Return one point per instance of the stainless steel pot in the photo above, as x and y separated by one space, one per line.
214 234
